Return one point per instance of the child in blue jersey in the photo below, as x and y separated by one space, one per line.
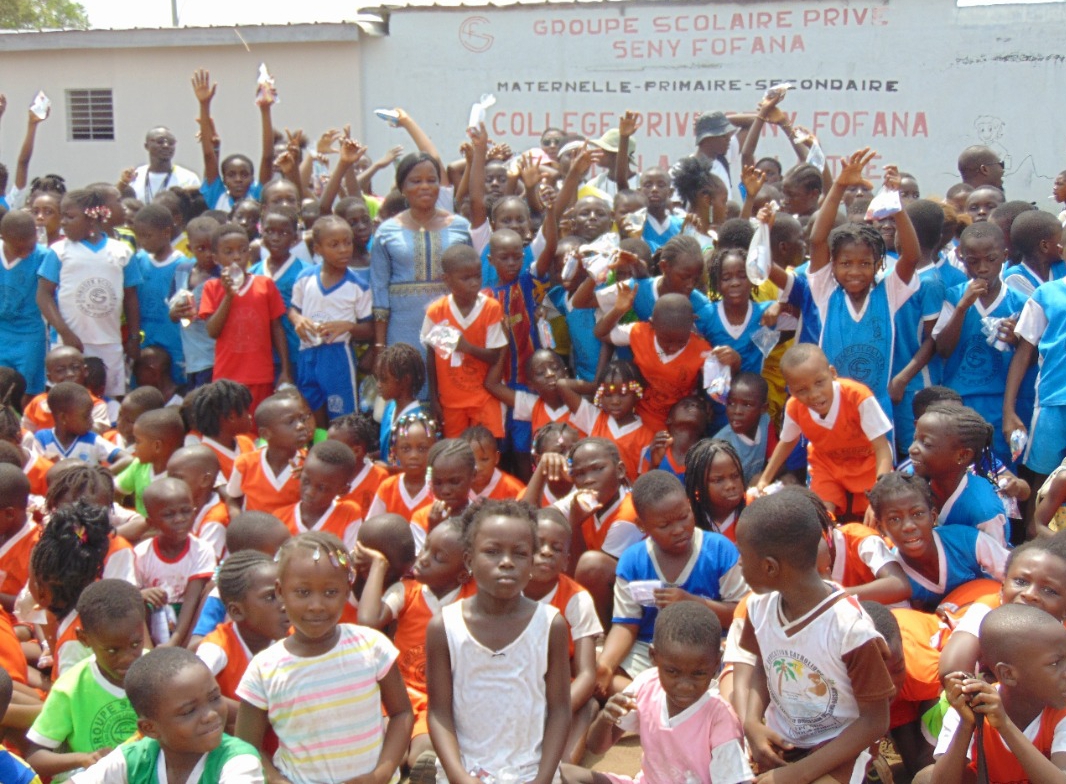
237 180
948 440
972 367
158 261
282 265
661 225
858 313
584 348
1041 331
915 364
685 425
734 318
13 769
1036 239
22 333
329 310
677 562
937 559
73 436
750 431
191 275
85 289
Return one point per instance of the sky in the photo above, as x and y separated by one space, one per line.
198 13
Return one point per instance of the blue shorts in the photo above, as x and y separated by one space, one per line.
325 376
26 355
1047 439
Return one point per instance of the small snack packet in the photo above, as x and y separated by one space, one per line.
633 223
265 89
815 156
1018 440
765 339
544 331
479 110
716 379
570 262
884 205
587 500
597 257
40 105
443 339
643 591
777 90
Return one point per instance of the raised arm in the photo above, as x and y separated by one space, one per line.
350 152
22 168
475 175
850 174
627 126
421 139
265 100
204 91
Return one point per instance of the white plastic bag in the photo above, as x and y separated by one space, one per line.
765 339
884 205
597 257
40 106
265 86
716 379
759 261
443 339
815 156
479 110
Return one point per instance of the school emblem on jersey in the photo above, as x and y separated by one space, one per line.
96 297
113 724
802 692
978 363
861 362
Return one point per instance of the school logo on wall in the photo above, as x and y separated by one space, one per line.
474 36
96 297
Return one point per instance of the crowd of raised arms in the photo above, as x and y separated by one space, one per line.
326 470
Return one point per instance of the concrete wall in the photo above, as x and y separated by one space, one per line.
918 80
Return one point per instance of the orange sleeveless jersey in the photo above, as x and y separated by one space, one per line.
1003 764
921 635
15 558
464 386
843 452
595 537
390 495
225 637
503 487
260 495
568 588
35 471
856 572
226 457
11 656
365 485
342 520
410 637
630 439
667 382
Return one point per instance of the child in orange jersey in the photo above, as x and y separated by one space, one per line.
63 363
326 475
197 466
222 413
551 481
404 493
360 433
458 382
268 479
440 578
846 428
451 476
489 480
32 464
18 534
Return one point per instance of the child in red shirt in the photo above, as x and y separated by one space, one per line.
244 315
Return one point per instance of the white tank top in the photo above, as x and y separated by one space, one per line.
499 698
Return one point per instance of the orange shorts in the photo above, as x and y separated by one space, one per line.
420 706
456 420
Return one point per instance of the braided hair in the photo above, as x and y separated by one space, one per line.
216 402
715 265
698 462
70 553
78 482
972 431
857 234
235 575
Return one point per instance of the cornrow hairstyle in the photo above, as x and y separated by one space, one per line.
675 248
108 601
715 265
216 402
698 462
895 484
402 360
421 418
152 675
735 233
552 434
78 482
692 176
235 575
323 546
476 513
478 434
924 398
857 234
10 425
48 183
70 553
361 427
806 176
326 223
453 449
12 388
690 624
973 432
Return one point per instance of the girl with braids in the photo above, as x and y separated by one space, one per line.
68 558
702 193
222 413
246 585
88 284
858 313
714 482
400 371
452 469
44 206
948 440
937 559
413 435
551 479
734 317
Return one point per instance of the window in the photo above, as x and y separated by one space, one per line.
90 115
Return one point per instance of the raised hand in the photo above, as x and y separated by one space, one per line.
627 125
852 168
202 87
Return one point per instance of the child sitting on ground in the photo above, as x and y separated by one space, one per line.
157 435
401 374
222 411
18 534
686 728
73 436
169 688
63 363
833 706
714 481
359 433
325 477
750 431
489 480
407 492
452 468
845 426
137 402
197 466
12 768
685 425
86 713
267 479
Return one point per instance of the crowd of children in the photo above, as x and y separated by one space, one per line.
299 483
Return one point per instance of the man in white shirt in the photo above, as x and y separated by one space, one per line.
716 141
161 172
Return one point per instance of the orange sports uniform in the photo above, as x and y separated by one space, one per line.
954 606
842 457
365 484
38 416
502 487
226 456
849 570
342 519
392 497
594 529
567 588
36 470
211 523
118 562
921 634
1002 763
630 439
461 390
226 637
67 650
15 558
12 658
263 491
667 382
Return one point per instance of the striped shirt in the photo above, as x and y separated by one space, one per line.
326 710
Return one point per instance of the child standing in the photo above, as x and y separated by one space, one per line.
330 309
401 374
329 670
846 427
174 566
459 381
171 690
267 479
244 314
281 262
158 262
687 730
24 342
197 346
86 713
734 318
497 637
88 285
817 653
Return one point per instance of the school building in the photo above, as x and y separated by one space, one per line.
918 80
